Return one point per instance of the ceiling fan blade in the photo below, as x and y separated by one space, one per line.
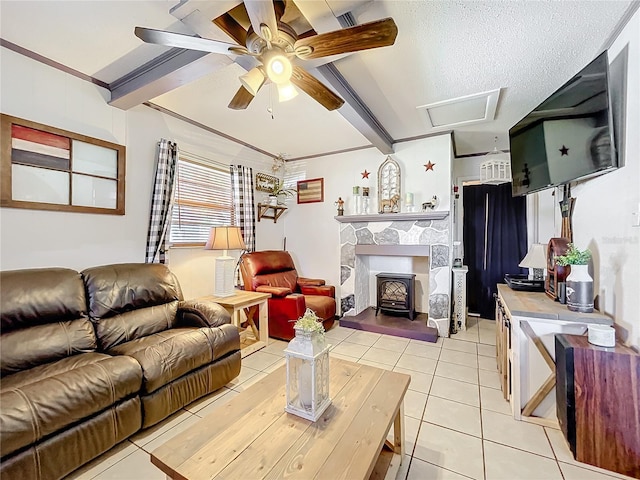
231 27
315 89
261 12
380 33
241 99
170 39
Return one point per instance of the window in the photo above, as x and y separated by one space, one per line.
202 200
46 168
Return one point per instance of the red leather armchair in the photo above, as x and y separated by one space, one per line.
273 271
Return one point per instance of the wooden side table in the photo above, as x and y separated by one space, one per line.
244 300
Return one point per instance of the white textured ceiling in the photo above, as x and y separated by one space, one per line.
444 50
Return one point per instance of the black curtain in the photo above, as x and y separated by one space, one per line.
495 241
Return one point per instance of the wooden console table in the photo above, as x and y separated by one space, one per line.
526 324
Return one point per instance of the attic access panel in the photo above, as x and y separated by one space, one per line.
467 110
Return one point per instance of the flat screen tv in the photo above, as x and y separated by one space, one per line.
567 137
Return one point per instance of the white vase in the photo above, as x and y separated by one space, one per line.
579 289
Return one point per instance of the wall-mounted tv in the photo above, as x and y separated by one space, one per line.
567 137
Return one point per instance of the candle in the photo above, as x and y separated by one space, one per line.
408 199
356 190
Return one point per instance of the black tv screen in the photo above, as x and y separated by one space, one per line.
567 137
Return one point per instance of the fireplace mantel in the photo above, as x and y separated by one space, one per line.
393 217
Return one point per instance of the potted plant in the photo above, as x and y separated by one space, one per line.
579 284
309 325
279 193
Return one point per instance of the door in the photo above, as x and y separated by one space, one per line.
495 241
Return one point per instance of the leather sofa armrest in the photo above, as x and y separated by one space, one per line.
310 281
202 313
324 290
275 291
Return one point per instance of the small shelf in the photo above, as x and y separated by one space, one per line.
274 210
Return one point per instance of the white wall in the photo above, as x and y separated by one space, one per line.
313 234
35 238
38 238
605 216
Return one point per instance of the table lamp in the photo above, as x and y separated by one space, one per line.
225 238
536 259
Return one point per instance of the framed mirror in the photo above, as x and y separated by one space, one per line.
389 192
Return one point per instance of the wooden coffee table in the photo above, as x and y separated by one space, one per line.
252 437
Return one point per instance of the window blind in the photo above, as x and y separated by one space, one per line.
202 200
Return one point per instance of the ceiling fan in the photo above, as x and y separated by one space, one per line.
278 49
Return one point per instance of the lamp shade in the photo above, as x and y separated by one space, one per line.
225 238
252 80
286 91
496 167
278 66
536 257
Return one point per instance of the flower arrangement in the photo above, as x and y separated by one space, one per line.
573 257
310 322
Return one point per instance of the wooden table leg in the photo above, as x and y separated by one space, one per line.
263 315
548 385
398 432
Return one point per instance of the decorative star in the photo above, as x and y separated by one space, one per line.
365 174
429 166
564 151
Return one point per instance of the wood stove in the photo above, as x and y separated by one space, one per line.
396 293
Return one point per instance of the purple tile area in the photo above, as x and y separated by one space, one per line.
400 326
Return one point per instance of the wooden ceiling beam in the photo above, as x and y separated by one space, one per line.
167 72
354 110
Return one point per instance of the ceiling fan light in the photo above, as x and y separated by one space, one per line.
252 80
286 91
279 68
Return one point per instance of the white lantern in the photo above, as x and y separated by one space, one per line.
307 375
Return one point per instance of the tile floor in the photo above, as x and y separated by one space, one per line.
457 424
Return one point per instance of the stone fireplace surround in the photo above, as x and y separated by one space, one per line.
426 234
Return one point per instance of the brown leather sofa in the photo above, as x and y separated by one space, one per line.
87 359
273 271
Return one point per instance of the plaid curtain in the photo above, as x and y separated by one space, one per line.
242 188
162 201
242 191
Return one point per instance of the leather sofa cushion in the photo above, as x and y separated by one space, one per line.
325 307
166 356
115 289
35 410
39 296
267 261
134 324
29 347
47 370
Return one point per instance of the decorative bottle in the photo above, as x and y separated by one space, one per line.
357 202
365 200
